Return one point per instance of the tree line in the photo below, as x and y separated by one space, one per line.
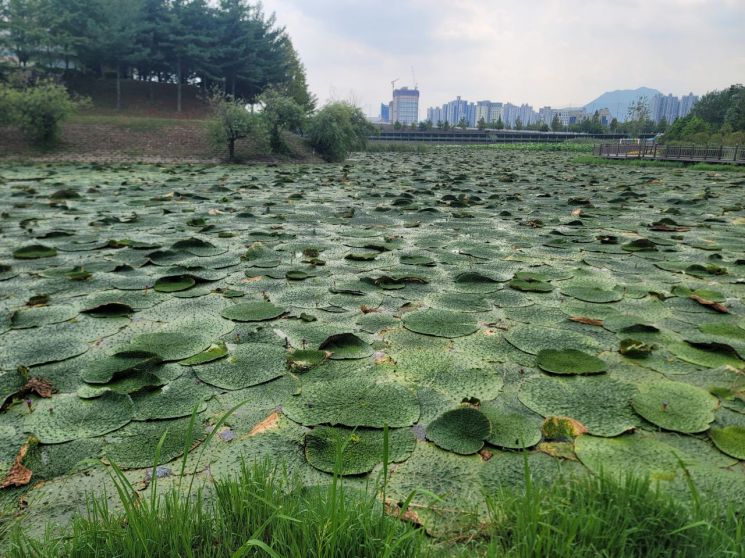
718 117
231 45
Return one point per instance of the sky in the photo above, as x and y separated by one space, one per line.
542 52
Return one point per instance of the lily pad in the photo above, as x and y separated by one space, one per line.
252 312
355 451
675 406
569 361
462 430
730 440
440 323
599 403
66 417
249 364
354 401
34 252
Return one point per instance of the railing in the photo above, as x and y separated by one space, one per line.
683 153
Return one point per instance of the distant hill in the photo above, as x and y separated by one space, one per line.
617 102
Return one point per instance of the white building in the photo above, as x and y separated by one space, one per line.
404 107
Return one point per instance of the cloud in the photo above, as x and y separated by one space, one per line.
555 52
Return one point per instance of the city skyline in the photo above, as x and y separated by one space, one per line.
541 53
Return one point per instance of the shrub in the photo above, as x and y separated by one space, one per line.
232 121
38 110
338 129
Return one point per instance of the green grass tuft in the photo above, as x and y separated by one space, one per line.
641 163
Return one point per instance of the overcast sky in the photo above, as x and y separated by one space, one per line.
543 52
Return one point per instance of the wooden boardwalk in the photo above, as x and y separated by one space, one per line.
683 153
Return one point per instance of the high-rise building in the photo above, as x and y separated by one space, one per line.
670 108
686 104
405 106
385 113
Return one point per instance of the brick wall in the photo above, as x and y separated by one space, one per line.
184 141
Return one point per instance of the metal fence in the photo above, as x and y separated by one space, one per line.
684 153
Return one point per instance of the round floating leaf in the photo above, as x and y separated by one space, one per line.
675 406
359 450
248 365
629 454
43 345
102 371
42 315
529 283
569 361
252 312
730 440
707 355
600 403
507 470
136 444
66 417
168 345
354 401
213 352
461 430
533 339
174 283
34 251
592 294
176 399
440 323
346 346
511 428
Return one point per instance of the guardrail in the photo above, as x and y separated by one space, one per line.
682 153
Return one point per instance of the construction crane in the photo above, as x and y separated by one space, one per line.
393 84
413 78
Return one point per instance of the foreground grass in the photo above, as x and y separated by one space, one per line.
262 513
641 163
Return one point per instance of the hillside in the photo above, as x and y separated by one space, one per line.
141 98
617 102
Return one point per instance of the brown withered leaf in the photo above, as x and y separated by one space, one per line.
40 387
268 423
710 303
586 320
577 212
365 309
18 475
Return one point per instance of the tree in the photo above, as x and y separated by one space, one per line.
281 113
440 124
185 47
232 121
556 125
500 123
613 126
296 85
662 125
446 125
412 126
338 129
481 125
463 123
117 24
397 125
518 123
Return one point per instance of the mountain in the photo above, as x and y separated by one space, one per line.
617 102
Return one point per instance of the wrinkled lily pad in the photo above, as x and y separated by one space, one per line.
461 430
354 452
569 361
440 323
